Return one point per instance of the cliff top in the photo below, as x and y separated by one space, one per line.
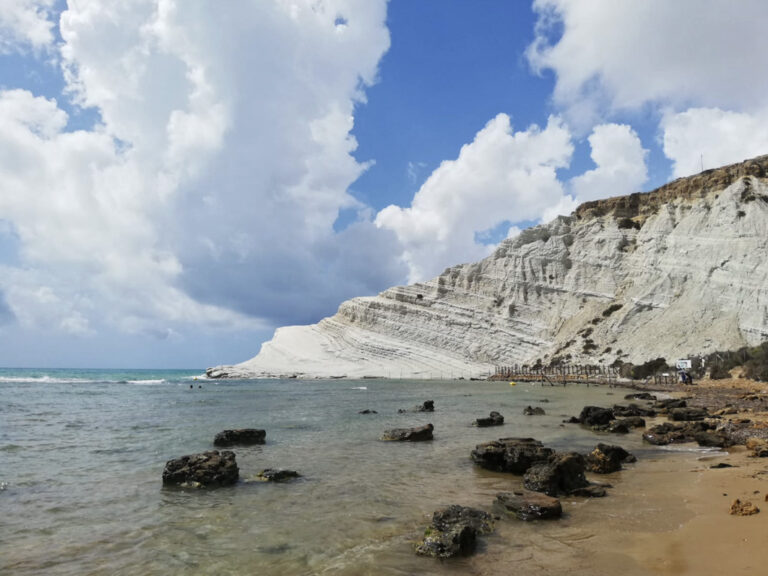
687 188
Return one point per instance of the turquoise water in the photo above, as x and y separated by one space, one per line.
82 453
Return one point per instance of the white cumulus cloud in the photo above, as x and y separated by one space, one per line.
711 137
620 164
501 176
25 24
207 191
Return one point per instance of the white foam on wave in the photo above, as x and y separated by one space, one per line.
359 388
45 380
147 382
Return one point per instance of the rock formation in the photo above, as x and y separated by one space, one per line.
677 271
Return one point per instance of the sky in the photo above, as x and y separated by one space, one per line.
178 179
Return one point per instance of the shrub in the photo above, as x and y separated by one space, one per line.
628 223
611 309
649 368
718 372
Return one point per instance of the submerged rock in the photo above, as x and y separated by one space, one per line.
605 459
640 396
274 475
209 469
513 455
427 406
530 411
528 505
632 410
367 411
418 434
495 419
242 436
454 532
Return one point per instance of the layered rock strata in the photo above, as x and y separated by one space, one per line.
678 271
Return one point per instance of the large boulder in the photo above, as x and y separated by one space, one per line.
513 455
563 473
418 434
594 416
605 459
454 532
494 419
209 470
528 505
241 437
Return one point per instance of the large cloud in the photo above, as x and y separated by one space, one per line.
695 63
207 192
620 164
501 176
25 24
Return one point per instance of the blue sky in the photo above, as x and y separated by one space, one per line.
177 180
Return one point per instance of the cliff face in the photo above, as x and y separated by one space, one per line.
678 271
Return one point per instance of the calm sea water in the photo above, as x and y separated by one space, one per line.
82 453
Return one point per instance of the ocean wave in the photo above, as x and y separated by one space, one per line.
45 380
359 388
150 382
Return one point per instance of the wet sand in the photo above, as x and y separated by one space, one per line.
665 516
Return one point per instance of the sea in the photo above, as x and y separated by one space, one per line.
82 454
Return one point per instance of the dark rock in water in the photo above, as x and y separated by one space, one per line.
367 411
427 406
454 532
418 434
669 403
670 433
595 416
513 455
562 473
527 505
210 469
495 419
455 515
632 410
633 422
688 414
591 491
460 541
616 427
243 437
572 420
605 459
529 411
273 475
640 396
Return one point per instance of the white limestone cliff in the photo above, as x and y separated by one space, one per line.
678 271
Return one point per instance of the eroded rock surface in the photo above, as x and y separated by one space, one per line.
208 470
538 293
528 505
418 434
241 437
513 455
494 419
454 532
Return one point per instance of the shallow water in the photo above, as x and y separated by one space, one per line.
82 456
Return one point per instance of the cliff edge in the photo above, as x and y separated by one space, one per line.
677 271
